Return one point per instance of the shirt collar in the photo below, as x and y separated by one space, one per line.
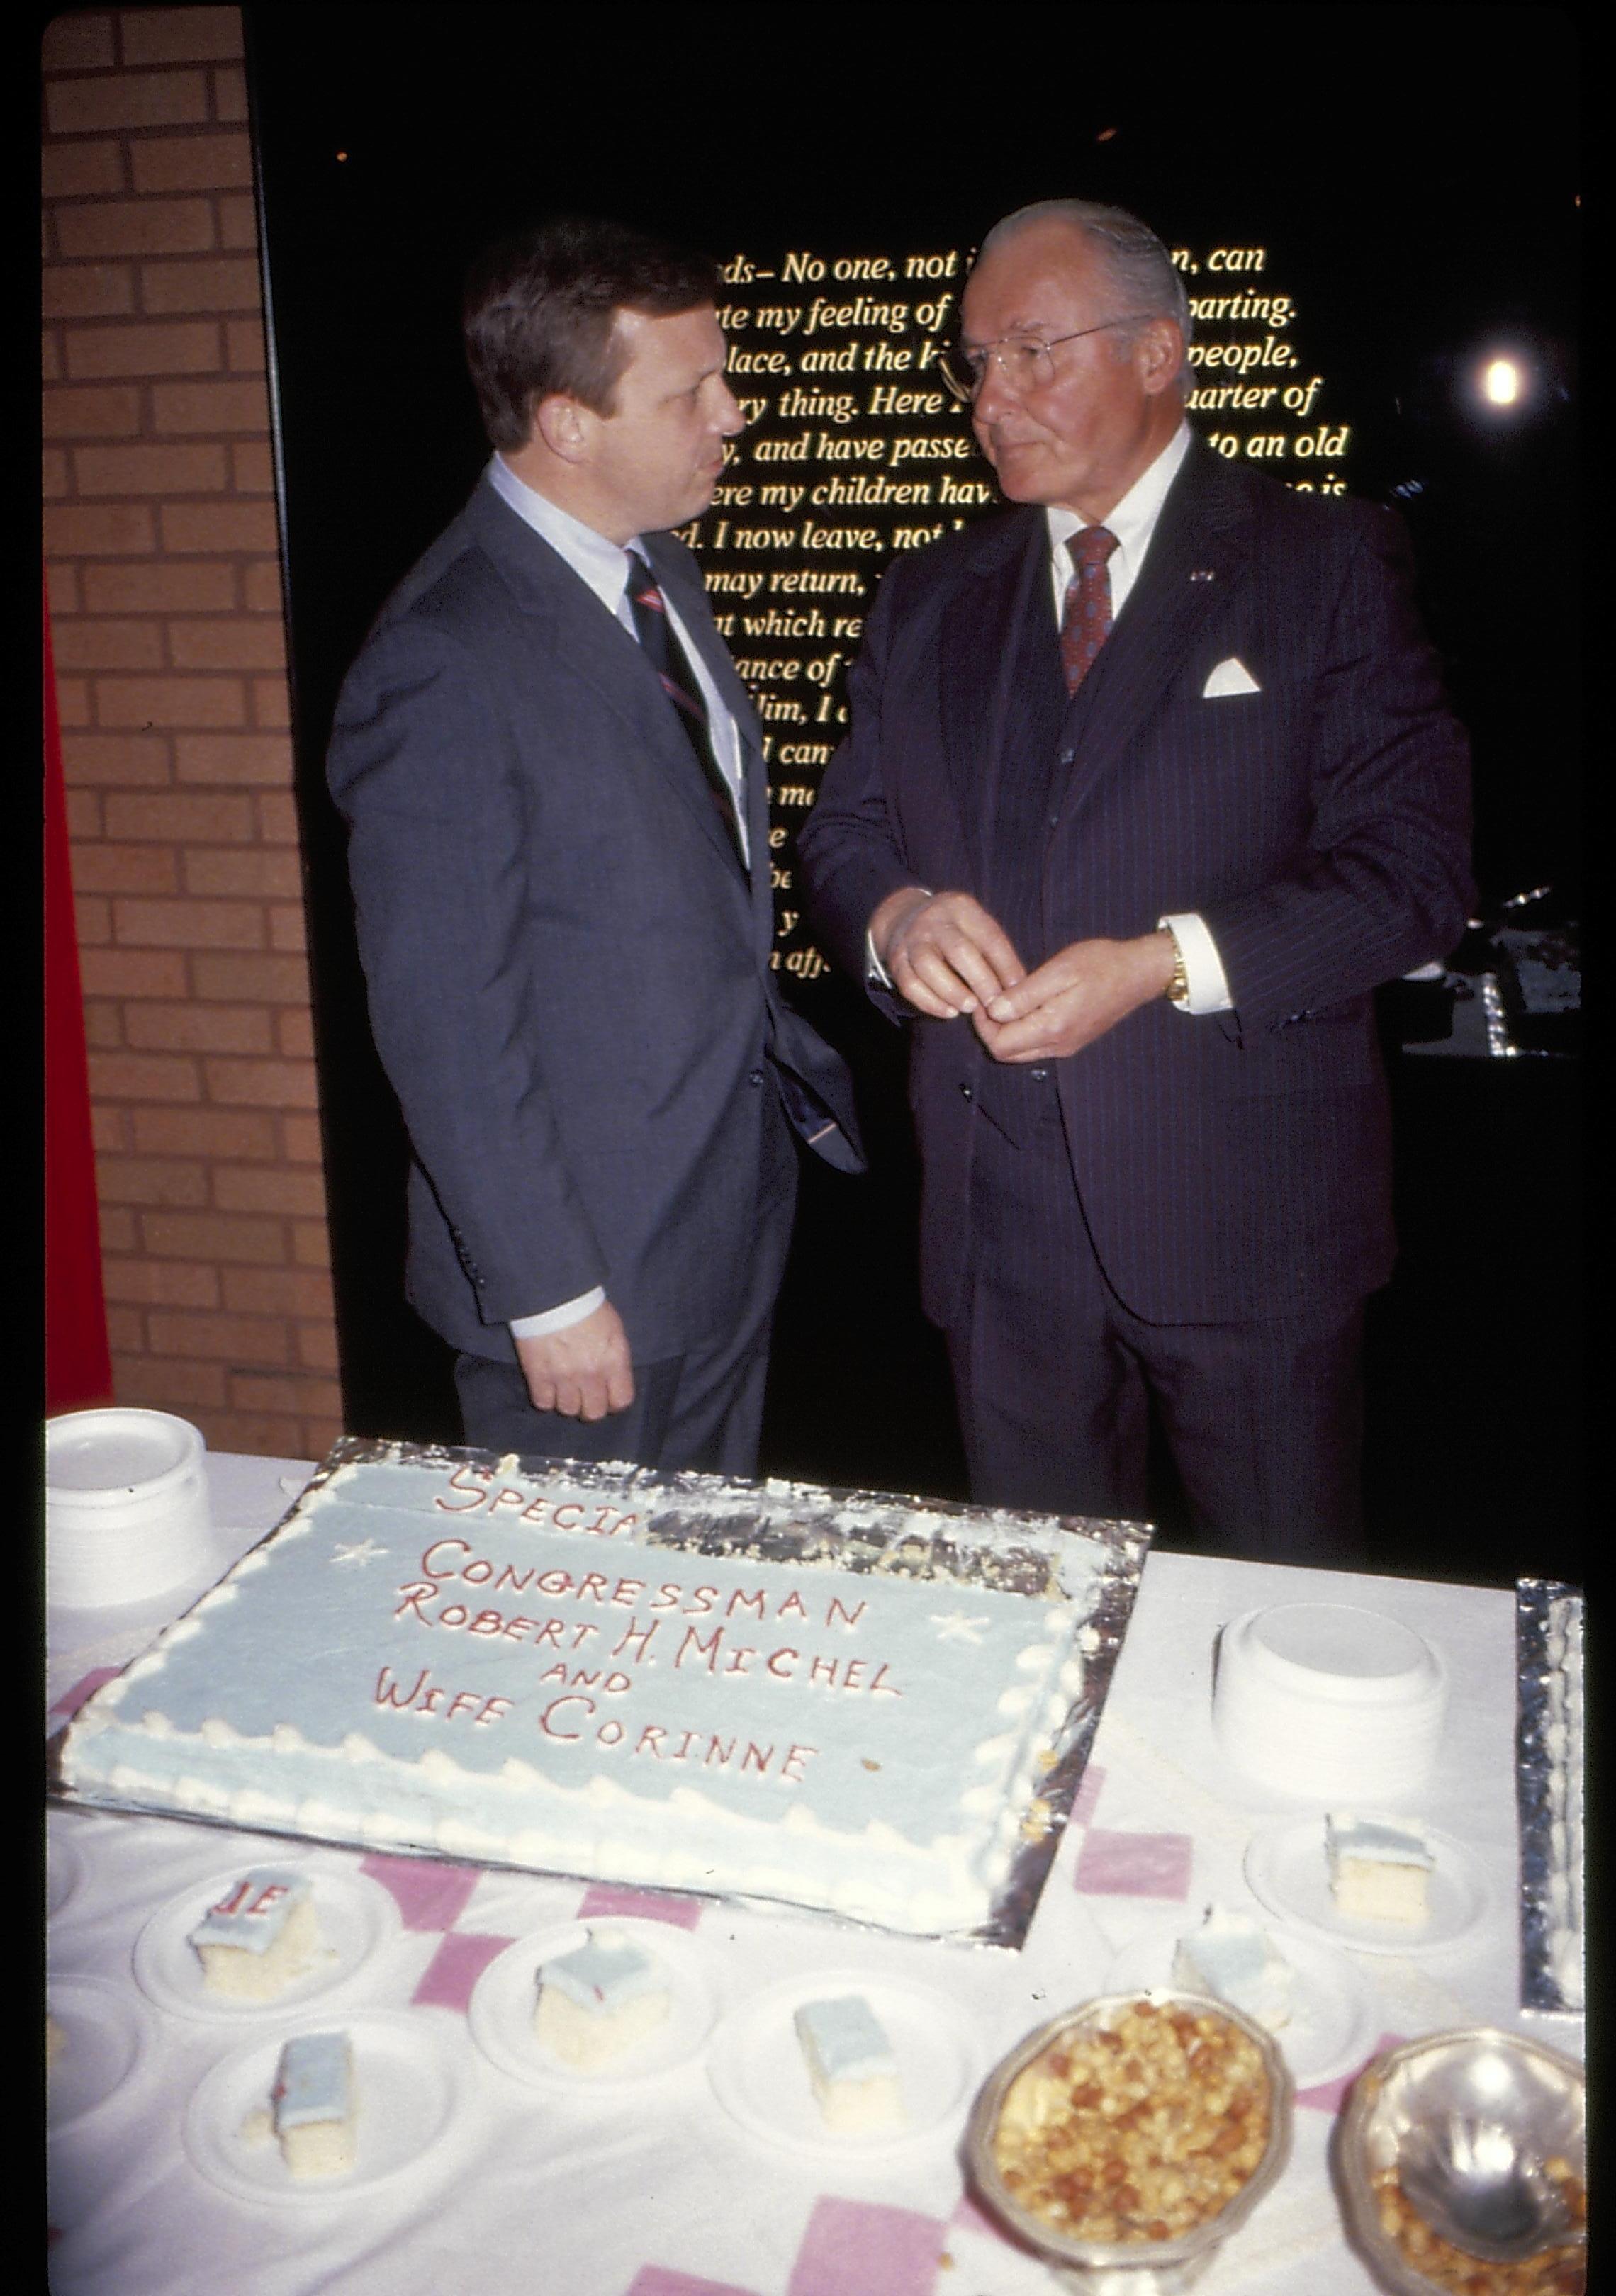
603 565
1132 521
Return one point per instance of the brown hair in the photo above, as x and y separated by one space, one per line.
540 309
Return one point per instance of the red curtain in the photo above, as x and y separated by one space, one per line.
78 1363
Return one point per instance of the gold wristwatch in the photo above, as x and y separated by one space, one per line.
1178 987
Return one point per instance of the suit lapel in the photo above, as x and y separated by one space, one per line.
1198 556
979 641
683 584
593 645
681 578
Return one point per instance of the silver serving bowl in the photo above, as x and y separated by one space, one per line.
1138 2267
1468 2119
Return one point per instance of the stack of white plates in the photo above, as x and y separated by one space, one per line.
1329 1703
125 1506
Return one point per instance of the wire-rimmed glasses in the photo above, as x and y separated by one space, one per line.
1026 361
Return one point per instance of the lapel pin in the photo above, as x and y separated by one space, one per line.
1203 574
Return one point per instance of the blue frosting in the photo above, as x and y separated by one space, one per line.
844 2039
313 2081
253 1914
1378 1840
605 1972
506 1668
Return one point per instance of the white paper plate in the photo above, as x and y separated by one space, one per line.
412 2085
355 1915
109 2042
759 2076
126 1509
1286 1866
503 2001
1333 2024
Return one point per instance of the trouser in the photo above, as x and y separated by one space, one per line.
1055 1378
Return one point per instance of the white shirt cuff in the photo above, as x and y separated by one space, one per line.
1202 965
556 1319
873 969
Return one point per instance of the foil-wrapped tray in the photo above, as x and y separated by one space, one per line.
1548 1794
1076 1558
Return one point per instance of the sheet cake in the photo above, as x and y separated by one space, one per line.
764 1690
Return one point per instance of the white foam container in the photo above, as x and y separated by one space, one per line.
1324 1701
127 1510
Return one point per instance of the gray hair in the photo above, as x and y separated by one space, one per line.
1137 262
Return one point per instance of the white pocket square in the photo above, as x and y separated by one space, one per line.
1231 676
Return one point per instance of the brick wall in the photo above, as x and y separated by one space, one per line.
161 550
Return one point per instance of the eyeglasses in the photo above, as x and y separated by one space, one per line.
1025 362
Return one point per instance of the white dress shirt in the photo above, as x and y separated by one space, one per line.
604 566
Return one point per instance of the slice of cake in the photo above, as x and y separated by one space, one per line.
1232 1957
261 1937
1380 1869
850 2064
599 1999
315 2105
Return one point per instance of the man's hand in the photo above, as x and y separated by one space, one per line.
1080 993
943 953
583 1370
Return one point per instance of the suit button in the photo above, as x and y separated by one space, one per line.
755 1076
965 1092
1067 756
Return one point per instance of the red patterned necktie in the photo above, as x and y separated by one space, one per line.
661 642
1086 616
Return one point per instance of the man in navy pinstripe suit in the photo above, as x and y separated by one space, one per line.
1150 782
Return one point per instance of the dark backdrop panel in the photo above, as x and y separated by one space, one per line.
1414 170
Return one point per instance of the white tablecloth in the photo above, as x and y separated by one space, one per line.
654 2188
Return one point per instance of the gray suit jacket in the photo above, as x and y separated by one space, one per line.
568 973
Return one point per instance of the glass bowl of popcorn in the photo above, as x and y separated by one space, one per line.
1127 2139
1462 2163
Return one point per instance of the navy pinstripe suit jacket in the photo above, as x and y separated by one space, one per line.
1232 1166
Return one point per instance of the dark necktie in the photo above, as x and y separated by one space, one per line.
660 645
1086 616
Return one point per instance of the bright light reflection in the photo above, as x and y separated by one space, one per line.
1491 2077
1501 382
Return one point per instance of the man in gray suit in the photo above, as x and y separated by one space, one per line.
559 852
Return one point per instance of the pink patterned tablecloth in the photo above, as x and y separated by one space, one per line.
657 2187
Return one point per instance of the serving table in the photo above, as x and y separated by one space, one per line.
701 2177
